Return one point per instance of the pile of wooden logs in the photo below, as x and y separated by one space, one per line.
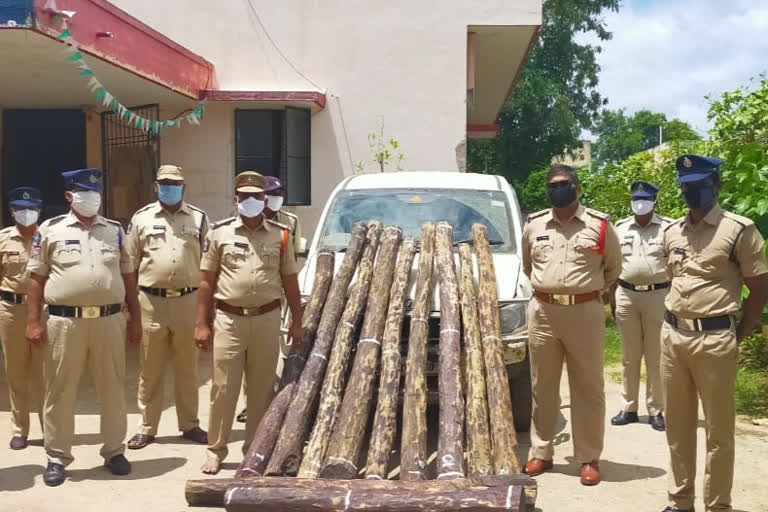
347 369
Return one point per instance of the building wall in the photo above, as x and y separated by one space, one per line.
400 64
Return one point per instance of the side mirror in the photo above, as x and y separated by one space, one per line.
302 245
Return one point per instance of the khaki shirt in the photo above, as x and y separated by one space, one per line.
562 257
14 254
642 250
166 247
708 261
250 263
83 265
292 221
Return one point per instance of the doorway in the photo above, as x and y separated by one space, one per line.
37 146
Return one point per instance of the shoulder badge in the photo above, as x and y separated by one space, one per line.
279 224
206 244
37 242
224 222
536 215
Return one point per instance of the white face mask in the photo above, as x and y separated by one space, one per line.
26 217
86 203
274 203
250 207
642 206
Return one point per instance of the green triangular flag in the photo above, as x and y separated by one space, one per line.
57 19
115 105
139 122
86 72
76 56
101 93
64 34
165 125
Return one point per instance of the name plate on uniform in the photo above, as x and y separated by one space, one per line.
241 245
71 242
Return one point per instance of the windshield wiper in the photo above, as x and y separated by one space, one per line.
472 242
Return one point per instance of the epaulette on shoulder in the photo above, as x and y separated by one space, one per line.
623 221
115 223
279 224
195 208
289 214
536 215
53 221
596 214
738 219
144 208
666 219
674 223
6 230
223 222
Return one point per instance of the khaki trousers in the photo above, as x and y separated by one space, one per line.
169 329
700 365
74 343
639 316
241 345
573 334
23 367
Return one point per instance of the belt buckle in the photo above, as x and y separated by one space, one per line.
249 311
170 293
642 287
90 312
563 300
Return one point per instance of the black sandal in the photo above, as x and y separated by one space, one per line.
139 441
197 435
243 416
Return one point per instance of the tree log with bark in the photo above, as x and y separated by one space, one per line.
479 459
349 429
503 436
287 453
264 439
413 447
450 441
385 421
333 385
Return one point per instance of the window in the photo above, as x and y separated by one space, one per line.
276 143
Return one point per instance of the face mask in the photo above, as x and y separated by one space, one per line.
169 194
700 197
250 207
561 196
26 217
274 203
86 203
642 206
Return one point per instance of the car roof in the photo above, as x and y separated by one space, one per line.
424 179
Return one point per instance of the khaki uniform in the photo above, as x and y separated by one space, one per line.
564 258
707 263
165 248
23 361
84 268
640 313
250 265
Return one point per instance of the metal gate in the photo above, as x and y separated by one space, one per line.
130 158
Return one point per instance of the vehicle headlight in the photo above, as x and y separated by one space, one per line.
514 317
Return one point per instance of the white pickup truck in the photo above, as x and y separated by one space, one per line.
408 199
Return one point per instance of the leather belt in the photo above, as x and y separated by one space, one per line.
643 287
566 300
711 323
84 311
254 311
169 293
13 298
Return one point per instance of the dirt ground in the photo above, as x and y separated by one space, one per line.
634 464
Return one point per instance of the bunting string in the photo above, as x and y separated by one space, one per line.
108 101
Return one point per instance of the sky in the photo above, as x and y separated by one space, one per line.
666 55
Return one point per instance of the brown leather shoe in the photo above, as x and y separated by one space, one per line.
590 473
535 467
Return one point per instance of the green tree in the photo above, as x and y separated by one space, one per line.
555 97
621 135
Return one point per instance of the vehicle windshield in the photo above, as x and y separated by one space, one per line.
410 208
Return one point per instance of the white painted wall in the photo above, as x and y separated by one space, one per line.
402 61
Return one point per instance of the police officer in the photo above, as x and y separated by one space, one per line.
164 241
80 267
23 361
710 254
638 303
273 210
247 265
571 254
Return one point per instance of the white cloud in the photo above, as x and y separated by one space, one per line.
667 55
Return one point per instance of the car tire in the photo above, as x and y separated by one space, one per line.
520 390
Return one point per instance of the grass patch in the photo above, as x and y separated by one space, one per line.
751 393
612 343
